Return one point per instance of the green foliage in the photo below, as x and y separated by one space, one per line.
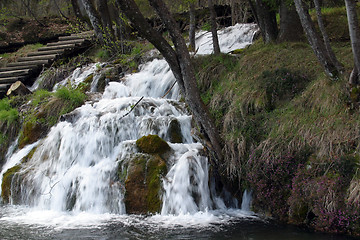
206 26
7 113
73 98
39 96
103 55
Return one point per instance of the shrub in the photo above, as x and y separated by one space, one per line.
271 183
319 190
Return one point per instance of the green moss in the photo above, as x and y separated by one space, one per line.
152 144
143 183
32 131
237 51
156 168
6 183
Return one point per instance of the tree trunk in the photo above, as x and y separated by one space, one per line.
314 40
290 25
267 21
105 16
76 9
178 60
354 32
325 36
18 89
213 27
94 19
235 11
192 27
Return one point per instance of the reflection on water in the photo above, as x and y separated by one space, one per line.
21 223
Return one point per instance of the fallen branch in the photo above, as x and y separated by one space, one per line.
132 108
169 90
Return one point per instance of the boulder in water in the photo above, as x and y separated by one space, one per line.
152 144
143 183
6 183
174 132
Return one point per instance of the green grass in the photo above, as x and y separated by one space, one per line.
7 113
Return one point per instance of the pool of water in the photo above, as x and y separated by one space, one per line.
23 223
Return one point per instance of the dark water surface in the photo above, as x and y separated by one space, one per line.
21 224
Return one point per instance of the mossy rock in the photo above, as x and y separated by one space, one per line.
174 132
143 184
152 144
32 131
6 183
237 51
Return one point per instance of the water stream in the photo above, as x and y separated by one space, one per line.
68 188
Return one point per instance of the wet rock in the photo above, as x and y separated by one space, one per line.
6 183
32 131
152 144
143 184
174 132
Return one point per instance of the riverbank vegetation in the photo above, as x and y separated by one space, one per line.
291 134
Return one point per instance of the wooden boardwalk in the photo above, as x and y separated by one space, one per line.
26 69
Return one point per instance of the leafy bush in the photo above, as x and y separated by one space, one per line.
319 192
271 183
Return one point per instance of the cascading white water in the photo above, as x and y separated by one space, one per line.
236 37
74 166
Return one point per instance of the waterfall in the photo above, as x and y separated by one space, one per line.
246 201
75 167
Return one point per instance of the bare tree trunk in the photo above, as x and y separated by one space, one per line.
192 27
325 36
315 42
267 21
290 25
94 19
105 16
234 11
76 9
213 27
354 32
178 60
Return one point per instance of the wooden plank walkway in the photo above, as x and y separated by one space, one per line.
26 69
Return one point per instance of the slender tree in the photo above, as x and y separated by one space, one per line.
325 36
95 20
76 9
103 9
179 61
315 41
215 39
192 26
354 32
266 19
